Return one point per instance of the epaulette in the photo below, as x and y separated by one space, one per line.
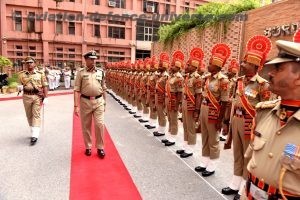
267 104
261 80
222 76
81 69
197 75
178 75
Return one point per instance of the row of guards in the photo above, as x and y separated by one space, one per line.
156 90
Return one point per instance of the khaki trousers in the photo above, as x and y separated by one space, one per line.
32 105
153 111
162 121
173 123
188 124
92 109
240 145
210 136
145 107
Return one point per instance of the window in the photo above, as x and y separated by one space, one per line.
167 9
142 54
150 6
116 53
59 27
187 7
97 2
71 52
97 30
71 28
72 1
19 53
147 30
116 32
19 47
18 20
32 54
115 59
71 55
59 52
120 3
31 22
32 48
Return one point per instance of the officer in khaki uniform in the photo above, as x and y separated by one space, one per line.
160 94
215 98
191 102
152 79
89 96
35 91
251 89
174 89
143 90
137 88
275 163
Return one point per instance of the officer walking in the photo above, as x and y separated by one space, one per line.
35 92
275 164
89 96
67 77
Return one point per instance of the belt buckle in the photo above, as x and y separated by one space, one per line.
204 101
92 98
258 193
238 112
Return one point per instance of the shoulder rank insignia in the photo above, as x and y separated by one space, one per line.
267 104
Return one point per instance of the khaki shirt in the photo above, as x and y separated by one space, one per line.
256 91
90 83
269 144
176 82
194 83
219 87
30 81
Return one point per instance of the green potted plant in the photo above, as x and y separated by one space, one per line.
13 87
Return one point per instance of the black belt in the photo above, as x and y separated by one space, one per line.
91 98
30 92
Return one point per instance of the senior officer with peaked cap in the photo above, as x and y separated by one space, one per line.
275 163
89 96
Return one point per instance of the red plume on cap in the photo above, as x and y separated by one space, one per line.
220 53
234 66
164 59
297 37
154 62
258 48
178 58
196 57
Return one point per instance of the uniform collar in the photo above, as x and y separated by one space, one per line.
193 74
276 110
258 78
219 75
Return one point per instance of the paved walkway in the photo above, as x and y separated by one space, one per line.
43 171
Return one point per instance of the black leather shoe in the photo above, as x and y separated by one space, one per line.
143 121
168 143
131 112
33 141
229 191
146 125
185 155
100 153
157 134
136 116
164 140
200 169
222 139
150 127
207 173
88 152
127 109
237 197
180 151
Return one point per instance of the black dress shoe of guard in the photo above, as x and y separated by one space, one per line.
157 134
200 169
164 141
150 127
146 125
136 116
167 144
206 173
100 153
131 112
222 139
180 151
237 197
88 152
185 155
127 109
229 191
33 141
143 121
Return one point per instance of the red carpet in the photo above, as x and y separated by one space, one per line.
20 96
96 179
